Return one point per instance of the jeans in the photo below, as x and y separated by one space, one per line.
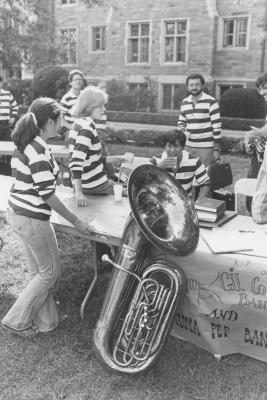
36 306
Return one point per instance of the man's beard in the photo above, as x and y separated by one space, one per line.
195 92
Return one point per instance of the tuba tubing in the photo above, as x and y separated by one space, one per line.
141 299
133 245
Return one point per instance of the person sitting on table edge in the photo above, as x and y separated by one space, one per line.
31 200
87 164
182 164
259 201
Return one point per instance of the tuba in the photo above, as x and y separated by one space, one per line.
142 296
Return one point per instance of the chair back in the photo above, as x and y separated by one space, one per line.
245 186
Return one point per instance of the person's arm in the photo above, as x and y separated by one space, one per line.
257 132
13 110
82 145
216 124
182 121
203 180
56 204
204 191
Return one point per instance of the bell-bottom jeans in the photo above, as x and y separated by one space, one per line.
36 306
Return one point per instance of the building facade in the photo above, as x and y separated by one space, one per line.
164 41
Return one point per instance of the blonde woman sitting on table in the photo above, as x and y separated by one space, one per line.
31 199
183 165
87 164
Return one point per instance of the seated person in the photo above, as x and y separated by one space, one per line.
183 165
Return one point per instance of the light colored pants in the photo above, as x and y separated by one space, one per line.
36 305
206 155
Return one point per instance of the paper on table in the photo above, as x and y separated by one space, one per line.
222 241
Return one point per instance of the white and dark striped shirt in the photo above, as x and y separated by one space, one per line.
35 171
86 161
190 168
8 106
201 121
67 102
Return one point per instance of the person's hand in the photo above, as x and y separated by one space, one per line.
11 121
167 163
117 160
83 227
80 199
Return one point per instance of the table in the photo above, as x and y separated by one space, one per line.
225 304
60 152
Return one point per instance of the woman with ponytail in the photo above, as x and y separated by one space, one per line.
31 199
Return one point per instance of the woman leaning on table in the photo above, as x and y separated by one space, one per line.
31 199
87 163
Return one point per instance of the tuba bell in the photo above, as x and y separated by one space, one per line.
142 297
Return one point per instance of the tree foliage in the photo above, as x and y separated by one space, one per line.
50 81
26 34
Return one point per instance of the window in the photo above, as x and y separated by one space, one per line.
68 41
138 42
235 32
168 96
175 41
68 2
98 38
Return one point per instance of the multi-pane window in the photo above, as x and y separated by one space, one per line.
98 35
168 92
175 41
235 32
68 41
138 42
68 1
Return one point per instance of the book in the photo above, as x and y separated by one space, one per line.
210 205
210 216
227 216
223 241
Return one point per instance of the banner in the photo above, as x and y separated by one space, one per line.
224 307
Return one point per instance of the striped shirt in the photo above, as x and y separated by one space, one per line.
35 171
67 102
86 161
8 106
190 169
201 121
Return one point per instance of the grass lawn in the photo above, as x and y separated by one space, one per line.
61 365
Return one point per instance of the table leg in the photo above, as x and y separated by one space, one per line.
91 287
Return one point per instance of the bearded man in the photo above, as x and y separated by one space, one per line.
200 120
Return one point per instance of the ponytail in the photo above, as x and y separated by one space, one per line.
25 131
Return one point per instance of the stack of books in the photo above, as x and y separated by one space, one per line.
210 210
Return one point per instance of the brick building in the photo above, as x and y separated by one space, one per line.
225 40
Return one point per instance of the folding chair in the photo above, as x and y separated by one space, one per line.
245 186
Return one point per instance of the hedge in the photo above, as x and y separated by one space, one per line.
237 124
149 137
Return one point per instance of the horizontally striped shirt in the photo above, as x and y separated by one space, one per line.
67 102
86 162
35 171
201 121
8 106
190 168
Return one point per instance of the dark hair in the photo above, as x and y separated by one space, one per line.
29 125
261 80
195 76
174 136
74 72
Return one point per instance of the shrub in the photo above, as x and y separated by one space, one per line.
50 81
119 96
241 124
243 103
20 88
